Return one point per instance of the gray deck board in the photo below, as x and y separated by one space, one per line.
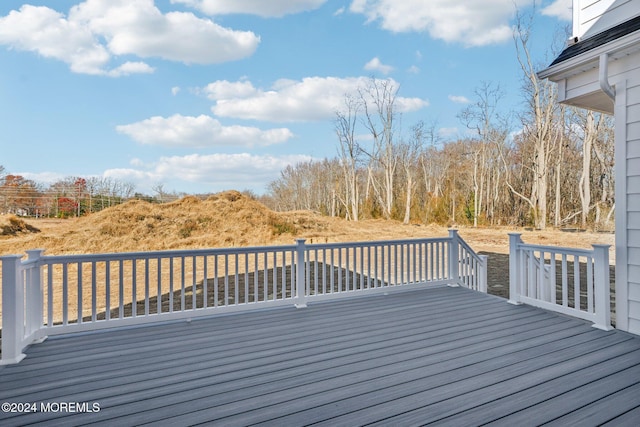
445 355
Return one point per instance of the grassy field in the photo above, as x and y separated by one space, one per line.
230 219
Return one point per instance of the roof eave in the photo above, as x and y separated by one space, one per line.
589 59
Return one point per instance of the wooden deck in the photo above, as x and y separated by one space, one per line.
441 355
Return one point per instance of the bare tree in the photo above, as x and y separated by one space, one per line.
591 129
542 100
491 129
408 154
349 155
379 108
160 192
604 174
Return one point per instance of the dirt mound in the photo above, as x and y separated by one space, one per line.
11 225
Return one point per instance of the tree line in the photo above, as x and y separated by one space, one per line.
550 164
72 196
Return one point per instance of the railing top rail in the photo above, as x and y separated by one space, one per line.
164 254
557 249
376 243
117 256
468 248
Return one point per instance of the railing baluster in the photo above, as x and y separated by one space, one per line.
215 281
354 269
402 266
134 291
324 271
171 284
205 281
65 294
79 292
246 278
146 286
275 277
553 282
589 272
226 280
94 291
315 271
194 282
107 290
565 285
255 277
236 296
369 285
121 289
576 282
183 305
265 278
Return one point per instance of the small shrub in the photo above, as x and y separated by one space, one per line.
187 228
16 225
279 227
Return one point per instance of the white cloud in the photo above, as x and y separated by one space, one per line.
130 68
459 99
264 8
561 9
139 28
95 32
339 12
175 90
376 65
223 89
208 173
414 69
47 32
469 22
309 99
42 177
201 131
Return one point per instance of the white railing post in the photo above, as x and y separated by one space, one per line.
12 310
482 279
34 296
454 261
602 304
301 285
514 268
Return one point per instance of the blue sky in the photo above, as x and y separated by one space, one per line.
207 95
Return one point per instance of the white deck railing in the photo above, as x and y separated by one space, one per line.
51 295
570 281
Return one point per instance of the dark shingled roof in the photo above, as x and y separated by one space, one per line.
600 39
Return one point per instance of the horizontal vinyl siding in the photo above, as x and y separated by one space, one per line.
634 218
595 16
633 201
634 271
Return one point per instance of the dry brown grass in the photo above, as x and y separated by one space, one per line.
231 219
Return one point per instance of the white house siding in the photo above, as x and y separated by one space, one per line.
578 84
632 113
594 16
